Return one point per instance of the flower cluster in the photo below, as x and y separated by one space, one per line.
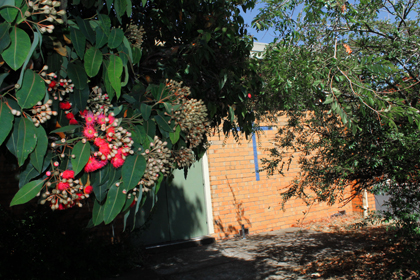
192 118
135 34
47 8
42 112
183 157
62 191
113 141
157 160
98 102
60 88
66 106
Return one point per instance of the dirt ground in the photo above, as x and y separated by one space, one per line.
340 247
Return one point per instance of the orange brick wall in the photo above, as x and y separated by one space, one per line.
238 198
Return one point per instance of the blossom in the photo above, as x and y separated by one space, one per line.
61 207
93 164
89 118
89 132
88 189
70 116
111 119
249 95
117 161
68 174
62 186
65 105
103 146
83 113
73 121
101 119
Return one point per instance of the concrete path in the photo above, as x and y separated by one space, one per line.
271 256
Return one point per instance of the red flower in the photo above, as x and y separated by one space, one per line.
65 105
88 189
83 113
61 207
62 186
89 132
117 161
70 116
101 119
73 121
249 95
93 164
68 174
111 119
89 118
52 84
105 149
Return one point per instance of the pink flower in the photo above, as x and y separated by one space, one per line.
249 95
68 174
89 118
99 142
117 161
93 164
62 186
111 119
89 132
65 105
88 189
70 116
73 121
101 119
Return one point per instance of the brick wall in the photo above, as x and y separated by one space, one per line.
238 198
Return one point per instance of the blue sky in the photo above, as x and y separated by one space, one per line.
263 36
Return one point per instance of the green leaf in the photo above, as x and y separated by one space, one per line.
101 37
6 120
136 55
162 123
120 7
145 110
82 152
79 41
86 29
100 181
15 55
115 38
9 13
114 70
79 98
114 176
78 75
27 192
97 213
114 203
138 134
174 136
22 141
37 156
2 77
26 175
33 90
104 23
93 61
4 36
132 170
66 128
35 42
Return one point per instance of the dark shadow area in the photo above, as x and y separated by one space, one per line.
175 216
365 253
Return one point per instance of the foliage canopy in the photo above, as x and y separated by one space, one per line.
346 74
101 100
